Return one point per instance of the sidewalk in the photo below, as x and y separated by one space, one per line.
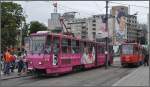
11 75
139 77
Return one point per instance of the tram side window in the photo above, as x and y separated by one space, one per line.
69 46
81 47
64 45
100 49
85 47
136 50
75 46
48 45
56 45
90 48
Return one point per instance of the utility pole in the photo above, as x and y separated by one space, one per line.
106 52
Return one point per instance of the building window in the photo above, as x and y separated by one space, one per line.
94 28
128 20
94 35
83 27
94 24
94 21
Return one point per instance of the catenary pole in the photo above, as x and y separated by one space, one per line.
106 52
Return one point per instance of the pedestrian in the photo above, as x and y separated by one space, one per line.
20 65
25 65
12 63
7 60
16 60
2 62
146 58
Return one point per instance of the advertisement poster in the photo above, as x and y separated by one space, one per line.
103 31
88 57
120 25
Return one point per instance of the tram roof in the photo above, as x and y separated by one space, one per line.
64 36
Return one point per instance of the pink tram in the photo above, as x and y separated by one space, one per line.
56 53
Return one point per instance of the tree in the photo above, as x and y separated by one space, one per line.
25 31
11 19
36 26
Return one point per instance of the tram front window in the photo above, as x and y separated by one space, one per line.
127 49
38 44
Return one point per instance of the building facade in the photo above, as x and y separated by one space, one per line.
78 27
132 28
121 25
89 28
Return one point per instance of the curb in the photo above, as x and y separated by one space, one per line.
7 78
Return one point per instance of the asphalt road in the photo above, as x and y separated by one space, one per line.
94 77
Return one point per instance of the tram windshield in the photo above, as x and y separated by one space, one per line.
127 49
38 43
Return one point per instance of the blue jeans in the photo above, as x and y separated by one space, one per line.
6 68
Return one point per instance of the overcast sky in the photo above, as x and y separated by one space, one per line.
40 10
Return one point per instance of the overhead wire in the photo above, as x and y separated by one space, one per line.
129 4
98 6
139 12
77 10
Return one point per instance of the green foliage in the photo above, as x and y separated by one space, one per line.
11 19
36 26
25 32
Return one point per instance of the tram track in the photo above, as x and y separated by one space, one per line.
104 78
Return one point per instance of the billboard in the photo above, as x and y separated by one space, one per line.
102 32
120 30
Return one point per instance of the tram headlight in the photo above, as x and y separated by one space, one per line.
40 63
30 62
127 59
